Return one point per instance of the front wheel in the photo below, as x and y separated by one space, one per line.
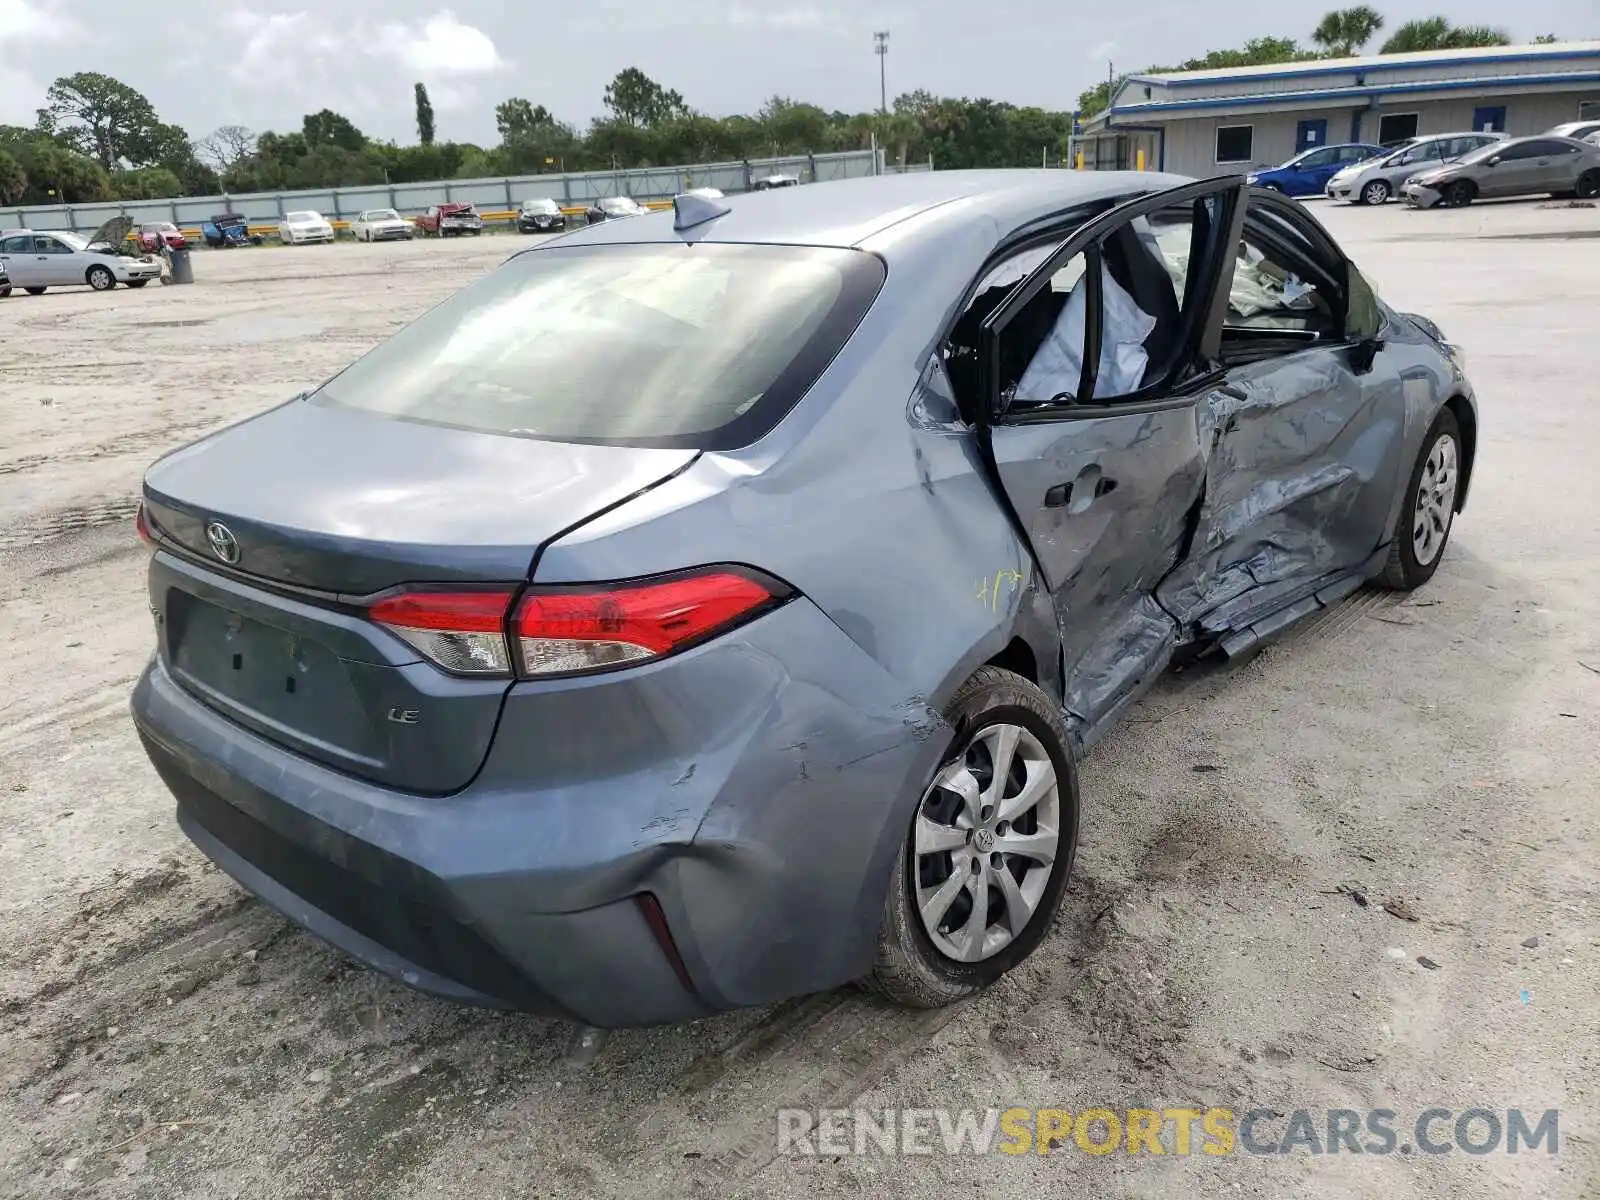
1429 511
34 291
5 291
1375 193
982 868
100 278
137 283
1460 194
1588 185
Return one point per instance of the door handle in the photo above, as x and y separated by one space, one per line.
1061 495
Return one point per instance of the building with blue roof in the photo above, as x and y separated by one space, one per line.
1204 123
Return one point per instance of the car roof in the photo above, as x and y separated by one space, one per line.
848 212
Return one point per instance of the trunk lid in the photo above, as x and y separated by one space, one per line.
321 507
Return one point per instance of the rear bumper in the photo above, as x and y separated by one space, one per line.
757 787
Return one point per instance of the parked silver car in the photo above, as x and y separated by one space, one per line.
382 225
1520 167
35 261
1579 130
707 610
1377 179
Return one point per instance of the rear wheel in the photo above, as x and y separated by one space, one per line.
5 291
137 283
1426 517
100 278
1588 185
1376 192
982 868
1460 194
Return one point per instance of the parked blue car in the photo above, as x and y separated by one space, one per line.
1307 173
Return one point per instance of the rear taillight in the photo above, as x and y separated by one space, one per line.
141 526
463 632
584 629
567 629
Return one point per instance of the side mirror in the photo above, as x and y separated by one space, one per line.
1363 324
1495 161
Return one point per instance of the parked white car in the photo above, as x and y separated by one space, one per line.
382 225
35 261
297 228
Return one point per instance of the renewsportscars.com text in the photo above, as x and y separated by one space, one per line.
1172 1131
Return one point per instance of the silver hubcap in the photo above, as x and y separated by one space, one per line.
1436 501
1377 193
985 843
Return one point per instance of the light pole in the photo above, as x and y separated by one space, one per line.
880 47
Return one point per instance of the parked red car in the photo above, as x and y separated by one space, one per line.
152 234
451 220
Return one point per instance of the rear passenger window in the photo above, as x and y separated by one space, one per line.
1143 286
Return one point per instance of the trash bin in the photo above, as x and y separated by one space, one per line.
182 268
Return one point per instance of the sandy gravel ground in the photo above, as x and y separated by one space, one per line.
163 1036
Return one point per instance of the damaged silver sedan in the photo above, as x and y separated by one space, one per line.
732 630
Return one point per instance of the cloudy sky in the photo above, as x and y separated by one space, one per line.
263 63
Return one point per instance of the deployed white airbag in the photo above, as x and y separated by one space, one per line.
1057 367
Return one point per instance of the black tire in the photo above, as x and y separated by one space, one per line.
34 291
1403 573
1376 193
5 291
910 970
1460 193
1588 185
100 278
137 283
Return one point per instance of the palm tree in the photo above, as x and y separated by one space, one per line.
1343 32
1436 33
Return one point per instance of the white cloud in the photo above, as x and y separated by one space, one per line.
443 46
364 70
26 25
32 23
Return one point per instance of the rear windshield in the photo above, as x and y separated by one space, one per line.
671 345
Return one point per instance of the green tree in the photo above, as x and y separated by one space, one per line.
328 128
529 135
1343 33
99 115
635 99
145 183
13 178
791 127
1436 33
424 115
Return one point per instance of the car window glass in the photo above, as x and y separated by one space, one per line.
643 345
961 347
49 245
1268 293
1318 158
1145 281
1354 154
16 245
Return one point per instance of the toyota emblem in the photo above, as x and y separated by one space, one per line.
223 544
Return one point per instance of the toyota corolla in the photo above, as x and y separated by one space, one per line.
710 608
